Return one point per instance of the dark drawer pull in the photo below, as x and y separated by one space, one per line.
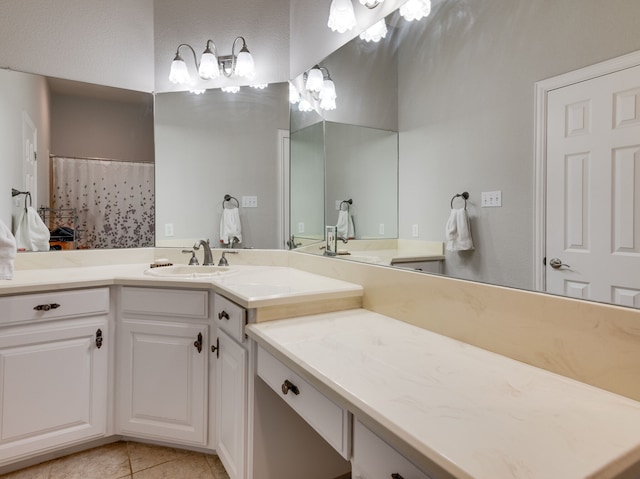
223 314
289 386
198 343
46 307
395 475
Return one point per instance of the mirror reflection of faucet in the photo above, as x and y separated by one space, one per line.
331 246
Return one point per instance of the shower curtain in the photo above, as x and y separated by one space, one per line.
115 200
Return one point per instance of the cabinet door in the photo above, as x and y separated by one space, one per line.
231 405
53 385
162 381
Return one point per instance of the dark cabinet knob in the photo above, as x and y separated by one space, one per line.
289 386
46 307
223 315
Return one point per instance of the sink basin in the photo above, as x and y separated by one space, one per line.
187 271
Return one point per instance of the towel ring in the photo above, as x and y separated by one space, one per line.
348 202
464 196
228 198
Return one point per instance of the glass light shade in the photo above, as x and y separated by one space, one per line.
328 95
305 105
341 16
314 80
244 65
179 73
294 94
209 68
259 86
371 3
375 32
415 9
197 92
230 89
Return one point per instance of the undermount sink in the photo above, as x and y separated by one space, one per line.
188 271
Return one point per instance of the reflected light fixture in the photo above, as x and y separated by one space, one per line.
341 16
294 94
371 3
259 86
415 9
211 65
319 87
375 32
230 89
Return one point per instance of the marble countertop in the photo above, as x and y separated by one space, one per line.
474 413
249 286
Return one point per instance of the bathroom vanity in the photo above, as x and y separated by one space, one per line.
286 350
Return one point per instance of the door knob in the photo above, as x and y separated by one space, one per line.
556 263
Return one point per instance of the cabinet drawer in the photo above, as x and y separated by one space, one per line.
230 317
375 459
328 419
165 302
54 305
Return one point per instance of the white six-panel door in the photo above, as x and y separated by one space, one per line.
593 189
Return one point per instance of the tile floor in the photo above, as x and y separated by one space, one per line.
127 460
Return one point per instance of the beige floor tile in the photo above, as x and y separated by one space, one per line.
41 471
106 462
191 467
144 456
216 466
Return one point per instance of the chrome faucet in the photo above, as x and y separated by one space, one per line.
208 257
223 260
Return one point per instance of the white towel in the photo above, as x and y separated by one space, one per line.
7 252
458 231
230 225
32 234
345 225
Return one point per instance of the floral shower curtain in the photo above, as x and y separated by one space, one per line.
115 200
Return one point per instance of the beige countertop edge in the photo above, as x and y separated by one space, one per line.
417 258
424 457
91 277
625 466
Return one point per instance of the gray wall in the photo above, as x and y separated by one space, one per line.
21 93
466 115
213 144
91 127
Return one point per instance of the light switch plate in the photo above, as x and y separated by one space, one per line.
415 231
249 201
301 227
491 199
168 229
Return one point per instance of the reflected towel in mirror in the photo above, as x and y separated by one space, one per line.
7 252
32 234
458 231
230 225
345 225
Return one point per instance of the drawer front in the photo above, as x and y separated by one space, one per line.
375 459
54 305
166 302
328 419
230 317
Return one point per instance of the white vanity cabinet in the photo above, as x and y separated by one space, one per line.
231 386
373 458
53 370
162 365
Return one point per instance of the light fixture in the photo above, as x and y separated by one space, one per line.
259 86
341 16
371 3
294 94
375 32
197 92
415 9
319 88
230 89
211 64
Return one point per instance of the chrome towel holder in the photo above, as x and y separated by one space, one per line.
27 194
348 202
228 198
464 195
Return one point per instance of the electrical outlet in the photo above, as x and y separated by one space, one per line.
249 201
381 229
301 227
168 229
414 231
491 199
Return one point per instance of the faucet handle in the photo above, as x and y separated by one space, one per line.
193 261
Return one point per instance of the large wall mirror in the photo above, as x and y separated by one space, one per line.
459 89
85 155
